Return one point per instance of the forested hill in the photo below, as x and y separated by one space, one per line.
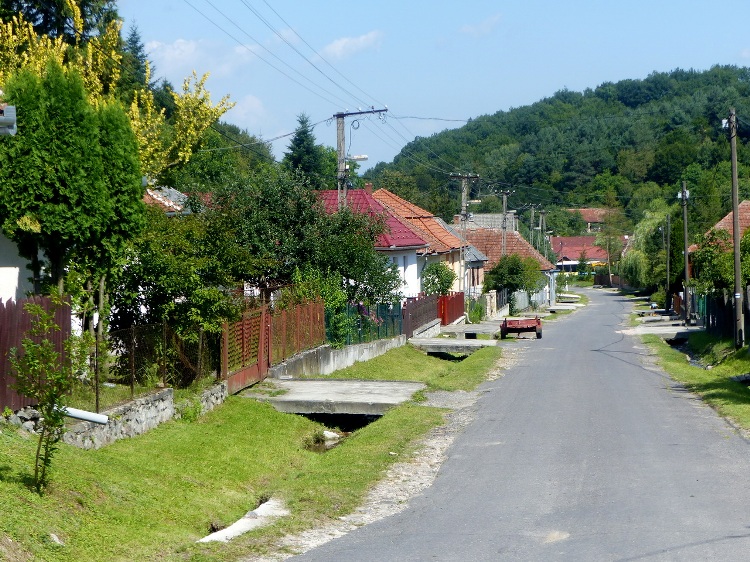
625 143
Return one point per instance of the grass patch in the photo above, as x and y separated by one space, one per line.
729 398
406 363
153 496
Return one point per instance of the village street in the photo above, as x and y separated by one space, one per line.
583 450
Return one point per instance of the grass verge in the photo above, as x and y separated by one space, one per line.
152 497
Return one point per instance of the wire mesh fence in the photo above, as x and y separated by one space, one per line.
135 361
361 324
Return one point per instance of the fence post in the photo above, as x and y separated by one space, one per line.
96 372
164 353
132 362
224 350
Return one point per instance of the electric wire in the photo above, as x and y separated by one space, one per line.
244 46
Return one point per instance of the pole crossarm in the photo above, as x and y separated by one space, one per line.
341 149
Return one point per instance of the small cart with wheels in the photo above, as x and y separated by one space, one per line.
519 325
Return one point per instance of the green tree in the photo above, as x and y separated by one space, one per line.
306 156
437 278
73 185
135 66
514 273
43 375
54 18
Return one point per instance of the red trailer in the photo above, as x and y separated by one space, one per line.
519 325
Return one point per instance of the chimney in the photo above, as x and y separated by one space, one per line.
368 188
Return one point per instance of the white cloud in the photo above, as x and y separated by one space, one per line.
248 113
745 54
347 46
482 28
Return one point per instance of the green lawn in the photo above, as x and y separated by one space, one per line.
152 497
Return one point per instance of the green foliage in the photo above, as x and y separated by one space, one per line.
310 159
514 273
73 188
45 377
713 263
55 19
437 278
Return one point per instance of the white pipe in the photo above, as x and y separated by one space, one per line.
84 415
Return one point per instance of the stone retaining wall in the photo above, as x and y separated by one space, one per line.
138 416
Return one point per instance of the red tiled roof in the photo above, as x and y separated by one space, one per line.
571 247
591 214
727 224
490 242
429 227
398 234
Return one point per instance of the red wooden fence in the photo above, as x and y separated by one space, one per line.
450 308
15 322
262 339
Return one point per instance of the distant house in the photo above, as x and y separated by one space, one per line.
400 243
169 200
489 241
592 216
442 244
569 250
727 223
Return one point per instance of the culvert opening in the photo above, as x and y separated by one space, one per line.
346 423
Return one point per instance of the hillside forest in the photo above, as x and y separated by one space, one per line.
625 146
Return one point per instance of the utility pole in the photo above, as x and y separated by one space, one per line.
505 217
531 227
683 196
669 232
542 232
739 337
464 218
341 176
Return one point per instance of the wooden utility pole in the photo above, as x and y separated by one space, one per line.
683 195
505 217
464 217
739 337
531 227
669 232
341 176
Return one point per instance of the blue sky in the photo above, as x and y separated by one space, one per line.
433 64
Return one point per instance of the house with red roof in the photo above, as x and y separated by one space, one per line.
727 223
570 249
443 243
401 243
495 244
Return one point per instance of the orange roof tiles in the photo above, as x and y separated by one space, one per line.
726 223
490 242
432 229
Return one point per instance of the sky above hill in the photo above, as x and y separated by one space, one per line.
433 64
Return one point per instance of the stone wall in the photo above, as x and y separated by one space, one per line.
127 420
138 416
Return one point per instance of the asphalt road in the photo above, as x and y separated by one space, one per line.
582 451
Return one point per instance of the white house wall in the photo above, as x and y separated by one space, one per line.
408 270
14 283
